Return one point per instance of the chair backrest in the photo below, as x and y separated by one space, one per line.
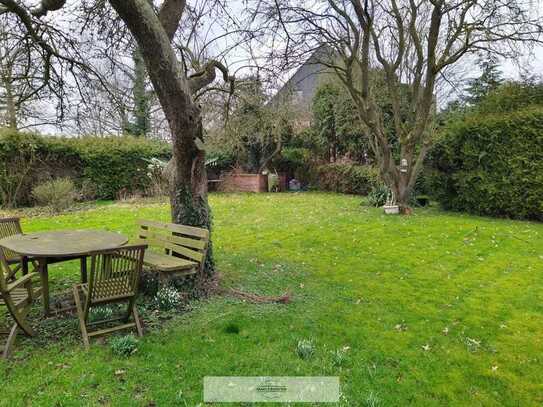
18 315
5 272
10 227
115 274
187 242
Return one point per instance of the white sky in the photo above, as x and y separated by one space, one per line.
531 62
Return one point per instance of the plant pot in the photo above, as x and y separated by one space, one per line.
391 209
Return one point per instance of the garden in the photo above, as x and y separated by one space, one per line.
436 308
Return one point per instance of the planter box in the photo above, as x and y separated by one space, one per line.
237 182
391 209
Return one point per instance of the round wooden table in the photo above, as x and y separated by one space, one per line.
53 247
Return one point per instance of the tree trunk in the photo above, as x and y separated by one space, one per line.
188 193
188 179
402 192
142 112
10 104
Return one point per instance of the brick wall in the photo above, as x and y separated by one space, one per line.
244 183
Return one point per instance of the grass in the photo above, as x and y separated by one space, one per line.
432 309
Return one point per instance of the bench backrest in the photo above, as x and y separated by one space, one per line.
187 242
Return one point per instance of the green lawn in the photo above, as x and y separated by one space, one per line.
436 309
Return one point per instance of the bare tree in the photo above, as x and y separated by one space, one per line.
256 130
176 88
413 43
20 79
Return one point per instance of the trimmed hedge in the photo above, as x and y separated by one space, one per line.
118 163
491 165
346 178
107 166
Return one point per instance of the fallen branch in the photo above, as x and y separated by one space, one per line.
258 299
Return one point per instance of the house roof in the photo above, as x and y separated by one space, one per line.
303 84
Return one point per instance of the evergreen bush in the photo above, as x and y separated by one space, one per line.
346 178
491 164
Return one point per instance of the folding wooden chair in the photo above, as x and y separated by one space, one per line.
114 278
11 227
17 295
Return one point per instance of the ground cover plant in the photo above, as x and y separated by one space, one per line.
430 309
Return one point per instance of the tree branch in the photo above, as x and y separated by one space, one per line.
207 75
170 14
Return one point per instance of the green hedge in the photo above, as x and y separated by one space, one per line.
108 165
492 165
346 178
118 163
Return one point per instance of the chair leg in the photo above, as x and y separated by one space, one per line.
10 342
20 319
44 276
137 320
129 312
82 323
83 269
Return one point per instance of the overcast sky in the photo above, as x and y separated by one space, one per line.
531 63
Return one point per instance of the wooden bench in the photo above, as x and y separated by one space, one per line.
173 249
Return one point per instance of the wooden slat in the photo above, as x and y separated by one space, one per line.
104 321
10 220
18 293
184 241
172 227
184 251
10 227
163 262
113 278
115 328
24 279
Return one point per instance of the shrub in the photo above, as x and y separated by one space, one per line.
347 178
168 298
491 165
88 191
378 195
158 182
101 167
124 345
305 349
18 157
58 194
294 161
118 164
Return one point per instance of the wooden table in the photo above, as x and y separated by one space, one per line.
53 247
